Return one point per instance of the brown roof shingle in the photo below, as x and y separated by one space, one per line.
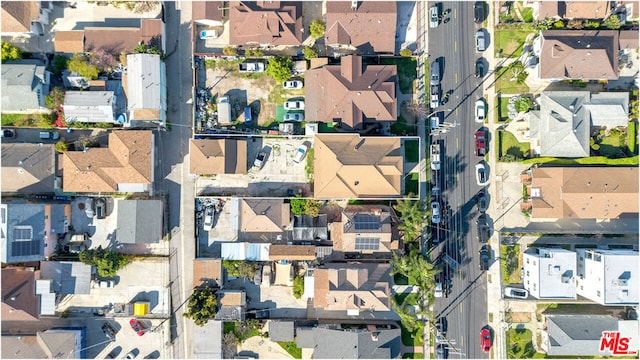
350 95
573 9
579 54
292 252
265 22
69 41
127 160
584 192
350 166
207 271
218 156
19 299
264 215
370 28
121 39
207 10
17 15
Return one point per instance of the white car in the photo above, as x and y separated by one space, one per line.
293 116
208 34
480 111
294 105
516 293
300 153
482 176
292 84
433 19
208 219
435 212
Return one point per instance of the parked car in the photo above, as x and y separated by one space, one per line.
137 327
435 96
290 116
484 231
293 84
294 105
480 111
516 292
482 176
434 16
49 135
480 44
105 284
109 331
481 142
435 121
131 354
208 219
259 161
209 34
89 209
481 201
479 68
485 340
435 73
442 352
300 153
441 325
101 208
478 12
7 133
438 291
485 255
435 212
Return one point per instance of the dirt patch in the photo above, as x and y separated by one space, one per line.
518 317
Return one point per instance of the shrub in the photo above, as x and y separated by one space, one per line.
406 52
298 287
575 24
591 24
558 24
310 52
297 206
61 146
202 306
612 22
253 52
280 68
55 98
10 52
59 64
79 64
230 51
107 262
316 28
523 104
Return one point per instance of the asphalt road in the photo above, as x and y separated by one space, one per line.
453 44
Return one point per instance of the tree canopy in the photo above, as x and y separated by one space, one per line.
59 64
240 268
316 28
310 52
81 65
280 68
107 262
202 305
415 267
55 98
10 52
412 217
523 104
612 22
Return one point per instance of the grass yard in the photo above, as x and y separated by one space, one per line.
29 120
508 144
511 263
510 40
412 338
401 127
501 108
520 344
407 298
506 85
411 183
292 349
613 146
411 151
407 72
632 137
593 160
413 356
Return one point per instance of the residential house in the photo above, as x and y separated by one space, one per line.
578 54
350 289
292 252
554 9
350 341
208 13
24 87
630 8
146 91
207 341
281 331
368 26
28 169
348 166
29 232
59 343
550 273
580 334
584 192
126 165
244 251
218 156
366 229
89 106
262 219
629 46
19 300
59 278
208 272
352 95
310 229
265 23
609 277
232 305
25 18
140 221
114 40
563 125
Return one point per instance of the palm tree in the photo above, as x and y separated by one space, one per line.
412 217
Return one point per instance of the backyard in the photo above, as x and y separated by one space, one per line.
509 145
28 120
506 84
411 151
407 72
510 39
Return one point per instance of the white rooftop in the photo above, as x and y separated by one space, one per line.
550 273
608 276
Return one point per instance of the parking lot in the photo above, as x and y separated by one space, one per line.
279 299
278 175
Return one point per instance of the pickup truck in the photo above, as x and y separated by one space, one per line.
435 156
257 67
481 143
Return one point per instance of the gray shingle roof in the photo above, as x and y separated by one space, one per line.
139 221
21 87
27 168
564 124
68 277
23 233
89 106
281 330
350 343
577 334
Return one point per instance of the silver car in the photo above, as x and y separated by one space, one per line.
290 116
433 18
516 293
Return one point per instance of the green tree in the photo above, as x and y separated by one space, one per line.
559 24
55 98
107 262
230 51
298 205
240 268
59 64
253 52
406 52
316 29
591 24
412 218
280 68
576 24
10 52
310 52
61 146
80 64
408 319
202 305
612 22
298 287
312 207
523 104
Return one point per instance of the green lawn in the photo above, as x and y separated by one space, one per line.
407 298
613 146
527 14
28 120
593 160
632 137
411 151
505 85
407 72
412 338
292 349
413 356
520 344
509 41
411 183
508 144
502 113
511 264
327 128
401 127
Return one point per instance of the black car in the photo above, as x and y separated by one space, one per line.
7 133
484 232
442 352
441 325
101 208
109 331
479 68
481 201
484 258
478 12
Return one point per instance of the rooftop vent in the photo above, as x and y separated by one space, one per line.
354 5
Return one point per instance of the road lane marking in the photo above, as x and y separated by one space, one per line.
455 46
457 147
461 340
455 12
455 77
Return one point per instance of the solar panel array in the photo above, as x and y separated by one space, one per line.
22 233
25 248
367 243
367 222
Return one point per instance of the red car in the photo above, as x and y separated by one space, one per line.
485 340
137 327
481 143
